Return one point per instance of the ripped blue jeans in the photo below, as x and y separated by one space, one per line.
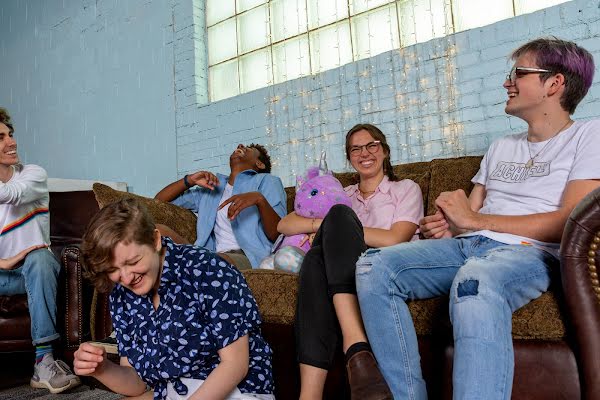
486 282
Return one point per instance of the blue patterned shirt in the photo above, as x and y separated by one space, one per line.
205 305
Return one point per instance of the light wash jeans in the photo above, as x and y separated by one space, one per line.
38 278
486 282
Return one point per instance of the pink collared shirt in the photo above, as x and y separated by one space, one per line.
392 202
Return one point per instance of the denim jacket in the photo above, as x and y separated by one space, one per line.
247 226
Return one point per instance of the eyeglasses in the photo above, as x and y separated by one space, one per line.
372 147
518 72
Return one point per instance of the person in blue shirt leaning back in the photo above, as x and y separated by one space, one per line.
186 323
237 214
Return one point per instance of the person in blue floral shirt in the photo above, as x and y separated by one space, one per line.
186 322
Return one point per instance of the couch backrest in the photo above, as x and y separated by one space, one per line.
70 213
433 177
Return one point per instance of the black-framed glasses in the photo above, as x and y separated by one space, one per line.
518 72
372 147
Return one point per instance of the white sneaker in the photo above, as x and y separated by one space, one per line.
53 375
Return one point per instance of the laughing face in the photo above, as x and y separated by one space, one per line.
247 157
8 147
368 163
137 267
526 92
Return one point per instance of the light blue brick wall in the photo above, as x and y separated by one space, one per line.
117 90
443 98
90 87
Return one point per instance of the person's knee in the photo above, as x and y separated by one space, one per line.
369 272
340 212
43 263
474 279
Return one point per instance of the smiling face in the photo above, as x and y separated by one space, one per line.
8 147
367 164
527 93
245 157
137 267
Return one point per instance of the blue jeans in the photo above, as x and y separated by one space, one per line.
38 278
486 282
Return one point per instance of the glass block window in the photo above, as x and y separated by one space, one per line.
256 43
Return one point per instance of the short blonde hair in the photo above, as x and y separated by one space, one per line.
124 221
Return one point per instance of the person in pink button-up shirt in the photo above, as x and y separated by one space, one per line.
385 211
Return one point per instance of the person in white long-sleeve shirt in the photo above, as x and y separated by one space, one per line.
27 266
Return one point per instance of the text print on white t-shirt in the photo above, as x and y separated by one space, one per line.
512 172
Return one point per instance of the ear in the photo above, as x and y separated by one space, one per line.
260 165
157 240
555 84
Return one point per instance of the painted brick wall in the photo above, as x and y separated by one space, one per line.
90 87
438 99
117 91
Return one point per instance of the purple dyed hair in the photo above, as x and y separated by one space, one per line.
575 63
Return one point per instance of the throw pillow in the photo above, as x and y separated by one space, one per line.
177 218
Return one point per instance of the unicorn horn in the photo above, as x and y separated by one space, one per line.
323 170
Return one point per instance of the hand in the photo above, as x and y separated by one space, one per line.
89 359
457 211
203 178
12 262
239 202
308 237
435 226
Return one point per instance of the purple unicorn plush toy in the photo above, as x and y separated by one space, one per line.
316 193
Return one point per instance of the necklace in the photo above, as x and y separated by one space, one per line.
365 192
529 163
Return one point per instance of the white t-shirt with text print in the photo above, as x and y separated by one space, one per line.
514 189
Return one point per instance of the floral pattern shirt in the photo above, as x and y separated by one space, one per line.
205 305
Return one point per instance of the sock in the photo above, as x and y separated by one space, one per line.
41 350
357 347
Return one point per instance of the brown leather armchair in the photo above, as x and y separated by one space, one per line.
579 272
70 213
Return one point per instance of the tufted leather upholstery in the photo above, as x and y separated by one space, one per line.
69 215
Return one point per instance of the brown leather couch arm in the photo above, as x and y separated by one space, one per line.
579 272
77 297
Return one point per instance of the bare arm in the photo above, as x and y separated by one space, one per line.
546 227
91 360
401 231
293 224
200 178
235 360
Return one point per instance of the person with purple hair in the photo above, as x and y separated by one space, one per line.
495 250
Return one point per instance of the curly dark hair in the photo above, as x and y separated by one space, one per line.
263 156
5 119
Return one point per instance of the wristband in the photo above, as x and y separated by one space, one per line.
185 182
312 225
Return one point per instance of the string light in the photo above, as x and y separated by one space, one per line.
313 113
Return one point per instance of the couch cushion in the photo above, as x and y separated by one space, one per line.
276 291
177 218
449 174
13 305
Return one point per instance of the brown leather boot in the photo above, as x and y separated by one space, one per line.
366 381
